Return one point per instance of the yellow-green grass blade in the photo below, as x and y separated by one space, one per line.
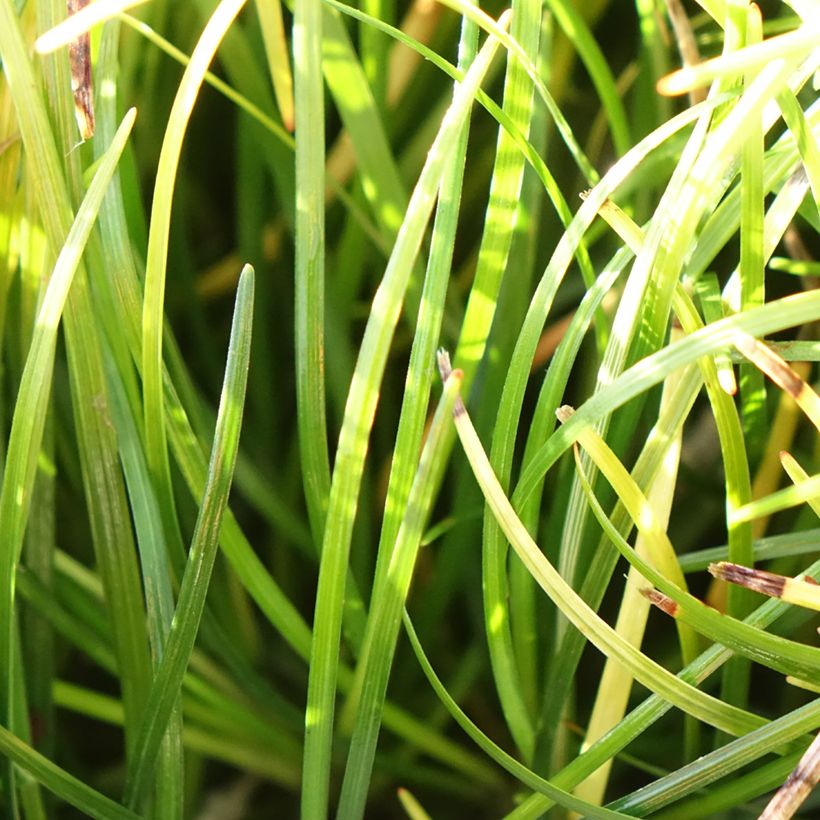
615 684
796 473
276 51
157 256
553 442
778 653
780 173
518 375
650 711
773 230
512 396
792 46
737 471
641 321
80 22
771 318
738 790
802 492
655 677
790 382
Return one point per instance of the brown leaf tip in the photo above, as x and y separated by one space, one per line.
660 600
757 579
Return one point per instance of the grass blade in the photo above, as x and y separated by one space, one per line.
205 541
361 406
310 260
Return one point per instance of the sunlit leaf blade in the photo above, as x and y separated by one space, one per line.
348 466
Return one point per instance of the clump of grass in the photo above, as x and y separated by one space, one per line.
378 598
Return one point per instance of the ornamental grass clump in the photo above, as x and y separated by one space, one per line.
409 409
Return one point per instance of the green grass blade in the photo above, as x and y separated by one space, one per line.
310 260
803 491
375 55
420 374
58 781
351 451
722 762
775 316
795 119
503 759
707 290
384 620
752 279
32 401
514 47
105 501
362 118
493 255
419 380
577 31
205 540
532 156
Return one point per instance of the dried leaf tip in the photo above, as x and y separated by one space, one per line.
564 413
766 583
661 601
444 366
79 57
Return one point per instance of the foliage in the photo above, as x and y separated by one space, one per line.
358 595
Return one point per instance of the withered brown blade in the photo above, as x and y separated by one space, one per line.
797 787
79 57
